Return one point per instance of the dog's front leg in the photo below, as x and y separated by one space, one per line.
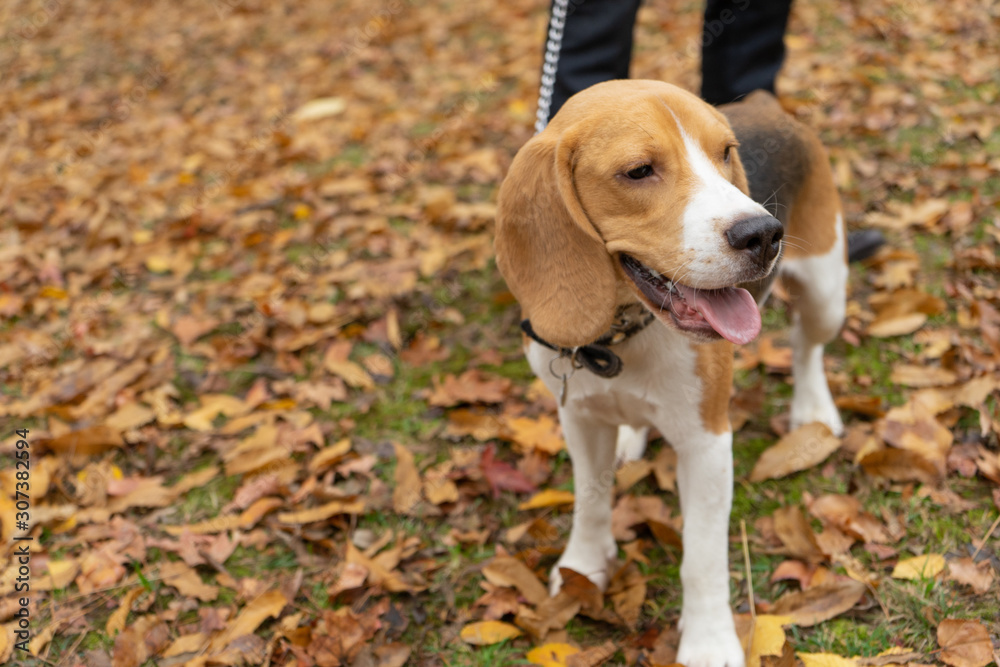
705 481
591 549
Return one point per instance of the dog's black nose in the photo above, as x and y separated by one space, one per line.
759 236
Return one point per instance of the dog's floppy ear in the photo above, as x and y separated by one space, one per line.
551 255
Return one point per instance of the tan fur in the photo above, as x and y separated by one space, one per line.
715 368
565 208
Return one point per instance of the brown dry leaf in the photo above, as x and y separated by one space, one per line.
631 473
627 591
899 325
899 465
116 622
775 352
329 456
593 656
406 491
508 571
819 603
187 581
323 512
394 654
803 448
258 610
844 513
913 375
438 486
665 469
977 575
792 528
482 426
964 643
189 328
86 441
144 638
542 434
472 386
213 405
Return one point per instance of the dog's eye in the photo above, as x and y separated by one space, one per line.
640 172
725 155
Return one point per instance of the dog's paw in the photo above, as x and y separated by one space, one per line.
631 444
710 644
821 408
597 563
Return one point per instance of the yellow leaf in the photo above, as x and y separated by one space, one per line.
768 637
158 263
61 574
489 632
551 655
116 622
826 660
547 498
919 567
323 512
53 292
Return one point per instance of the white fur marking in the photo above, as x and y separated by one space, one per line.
715 204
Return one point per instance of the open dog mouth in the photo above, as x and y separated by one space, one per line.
729 312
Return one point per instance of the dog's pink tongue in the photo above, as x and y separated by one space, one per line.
732 312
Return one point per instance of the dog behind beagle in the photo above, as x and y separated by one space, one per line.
635 232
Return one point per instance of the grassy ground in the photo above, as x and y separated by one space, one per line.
197 227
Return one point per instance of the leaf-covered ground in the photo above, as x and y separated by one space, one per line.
276 406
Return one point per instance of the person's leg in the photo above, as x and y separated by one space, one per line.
743 47
589 41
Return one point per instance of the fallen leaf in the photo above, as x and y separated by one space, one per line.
977 575
803 448
819 603
551 655
485 633
919 567
792 528
826 660
964 643
322 107
508 571
547 498
406 491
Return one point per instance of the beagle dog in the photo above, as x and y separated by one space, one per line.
635 232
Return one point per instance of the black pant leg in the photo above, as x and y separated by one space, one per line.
743 47
589 41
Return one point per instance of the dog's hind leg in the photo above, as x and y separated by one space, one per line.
631 443
817 285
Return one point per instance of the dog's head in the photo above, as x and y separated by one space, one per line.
635 189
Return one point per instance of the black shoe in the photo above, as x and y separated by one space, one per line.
863 243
